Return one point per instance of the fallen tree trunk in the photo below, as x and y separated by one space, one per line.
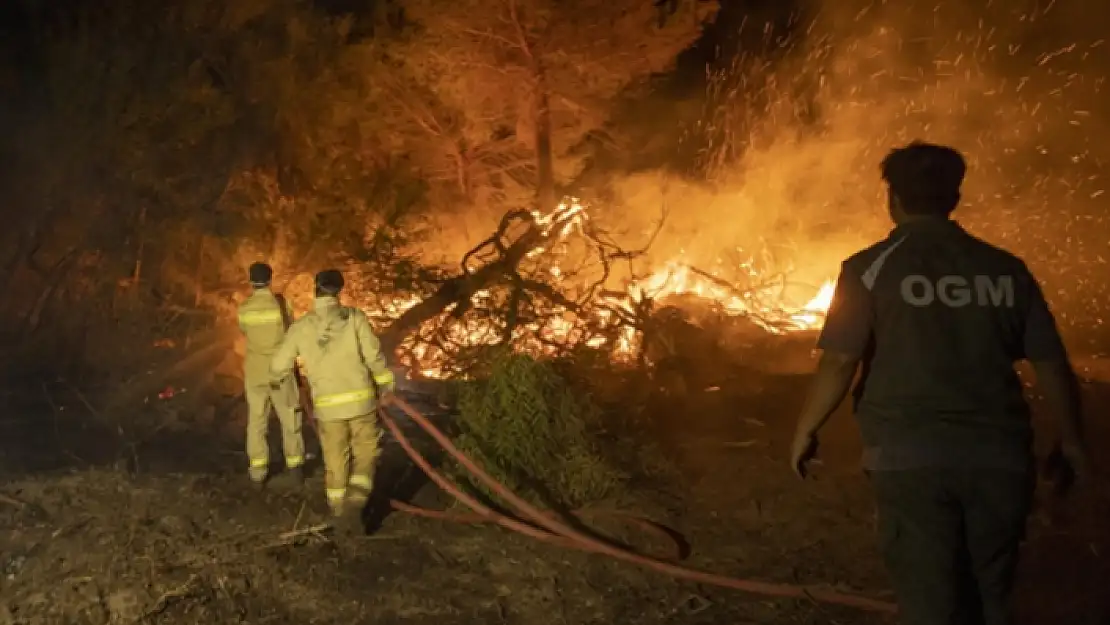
458 290
503 266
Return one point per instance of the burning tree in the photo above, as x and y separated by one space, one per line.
266 130
269 130
499 99
503 93
545 283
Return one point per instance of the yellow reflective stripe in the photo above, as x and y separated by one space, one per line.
336 493
384 379
258 317
360 481
338 399
294 461
259 462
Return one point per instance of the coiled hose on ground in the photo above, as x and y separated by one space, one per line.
553 531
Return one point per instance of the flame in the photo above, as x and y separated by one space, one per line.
813 313
777 317
599 326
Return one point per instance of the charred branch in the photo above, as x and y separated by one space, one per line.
497 262
460 289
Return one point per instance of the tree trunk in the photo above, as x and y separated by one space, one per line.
460 289
462 175
140 247
281 252
545 169
198 288
54 281
27 242
279 245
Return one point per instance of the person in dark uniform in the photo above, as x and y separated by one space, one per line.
934 319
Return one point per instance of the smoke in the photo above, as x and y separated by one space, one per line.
795 133
1014 85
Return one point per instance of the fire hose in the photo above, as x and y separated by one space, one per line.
551 530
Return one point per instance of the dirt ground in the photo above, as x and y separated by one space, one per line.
93 531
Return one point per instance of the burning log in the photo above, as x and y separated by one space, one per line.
508 300
513 289
459 291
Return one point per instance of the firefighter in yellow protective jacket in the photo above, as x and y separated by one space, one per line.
347 372
263 318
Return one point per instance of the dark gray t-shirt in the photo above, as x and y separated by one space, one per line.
938 319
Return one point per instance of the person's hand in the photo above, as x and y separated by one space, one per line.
387 396
1076 456
1064 467
802 450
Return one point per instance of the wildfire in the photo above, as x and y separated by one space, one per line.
774 316
814 311
604 325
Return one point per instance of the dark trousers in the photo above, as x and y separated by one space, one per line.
950 538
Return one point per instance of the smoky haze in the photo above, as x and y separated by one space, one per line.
1017 86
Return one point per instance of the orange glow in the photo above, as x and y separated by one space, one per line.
603 324
777 317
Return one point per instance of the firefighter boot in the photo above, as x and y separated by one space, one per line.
258 478
295 476
348 522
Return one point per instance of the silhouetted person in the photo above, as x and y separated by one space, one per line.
935 319
347 372
264 318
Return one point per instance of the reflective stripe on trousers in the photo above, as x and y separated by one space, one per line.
291 462
335 499
258 470
358 487
361 484
349 397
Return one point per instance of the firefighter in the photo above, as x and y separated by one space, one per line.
263 318
935 319
347 374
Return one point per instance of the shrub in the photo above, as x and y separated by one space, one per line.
534 432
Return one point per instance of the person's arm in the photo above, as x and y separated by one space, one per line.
286 312
829 387
1061 390
371 349
844 338
239 319
281 365
1046 353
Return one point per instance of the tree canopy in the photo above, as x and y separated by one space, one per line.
157 148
